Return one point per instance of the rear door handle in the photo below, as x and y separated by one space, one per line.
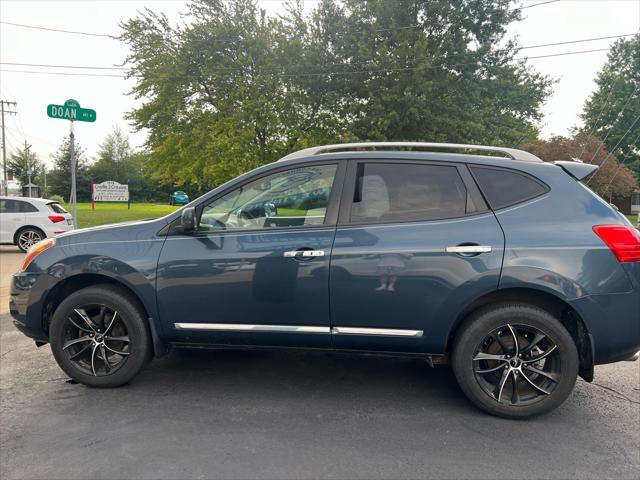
469 249
304 253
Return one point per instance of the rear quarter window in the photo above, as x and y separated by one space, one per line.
57 208
503 188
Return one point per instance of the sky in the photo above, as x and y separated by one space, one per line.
555 21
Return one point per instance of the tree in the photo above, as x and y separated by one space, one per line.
236 89
18 166
59 179
113 154
611 179
612 112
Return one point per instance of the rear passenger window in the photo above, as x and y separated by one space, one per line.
26 207
503 188
407 192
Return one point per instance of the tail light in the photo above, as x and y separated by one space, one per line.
56 218
623 241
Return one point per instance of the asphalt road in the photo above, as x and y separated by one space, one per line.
253 414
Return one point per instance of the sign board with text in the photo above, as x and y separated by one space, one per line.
71 111
110 192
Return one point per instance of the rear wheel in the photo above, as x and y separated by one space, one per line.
515 360
27 237
99 336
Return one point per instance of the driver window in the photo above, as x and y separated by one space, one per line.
295 197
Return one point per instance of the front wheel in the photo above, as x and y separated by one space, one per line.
100 337
515 360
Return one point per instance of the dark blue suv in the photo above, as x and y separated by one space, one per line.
507 267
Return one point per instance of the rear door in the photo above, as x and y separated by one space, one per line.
415 244
11 219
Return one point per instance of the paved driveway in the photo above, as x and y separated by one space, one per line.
231 414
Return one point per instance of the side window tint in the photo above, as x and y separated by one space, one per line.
9 206
295 197
26 207
503 188
395 192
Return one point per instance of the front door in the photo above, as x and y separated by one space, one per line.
415 244
256 269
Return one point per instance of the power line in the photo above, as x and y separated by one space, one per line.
617 144
344 72
34 138
58 30
579 41
621 164
89 67
537 4
619 115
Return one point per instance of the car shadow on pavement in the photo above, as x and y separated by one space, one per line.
296 375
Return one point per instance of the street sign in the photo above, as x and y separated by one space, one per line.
71 111
110 191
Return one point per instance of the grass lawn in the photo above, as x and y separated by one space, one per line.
108 212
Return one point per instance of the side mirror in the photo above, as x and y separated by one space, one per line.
188 220
270 210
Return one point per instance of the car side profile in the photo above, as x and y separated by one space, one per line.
178 198
507 267
26 221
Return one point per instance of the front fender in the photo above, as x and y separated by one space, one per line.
128 263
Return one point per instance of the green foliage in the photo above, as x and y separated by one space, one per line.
236 88
118 162
618 90
59 179
56 198
18 166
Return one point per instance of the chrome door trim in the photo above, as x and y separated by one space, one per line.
247 327
304 253
469 249
390 332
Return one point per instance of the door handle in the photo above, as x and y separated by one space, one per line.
469 249
304 253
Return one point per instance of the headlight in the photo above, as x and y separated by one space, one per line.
36 250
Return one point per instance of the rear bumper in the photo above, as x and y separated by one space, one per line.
614 323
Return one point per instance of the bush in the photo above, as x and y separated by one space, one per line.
56 198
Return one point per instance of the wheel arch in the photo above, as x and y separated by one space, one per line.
24 227
71 284
553 304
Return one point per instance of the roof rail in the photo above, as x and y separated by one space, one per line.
514 153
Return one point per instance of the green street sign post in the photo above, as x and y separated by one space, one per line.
72 111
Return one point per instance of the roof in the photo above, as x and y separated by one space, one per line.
512 153
28 199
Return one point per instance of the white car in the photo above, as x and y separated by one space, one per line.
26 221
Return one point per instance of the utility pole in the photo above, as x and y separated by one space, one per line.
5 186
72 154
27 155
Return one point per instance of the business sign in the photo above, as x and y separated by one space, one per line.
71 111
110 192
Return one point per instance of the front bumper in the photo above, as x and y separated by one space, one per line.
25 303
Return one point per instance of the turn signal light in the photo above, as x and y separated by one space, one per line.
36 250
623 241
56 218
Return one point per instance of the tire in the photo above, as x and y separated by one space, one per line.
28 236
488 382
125 336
